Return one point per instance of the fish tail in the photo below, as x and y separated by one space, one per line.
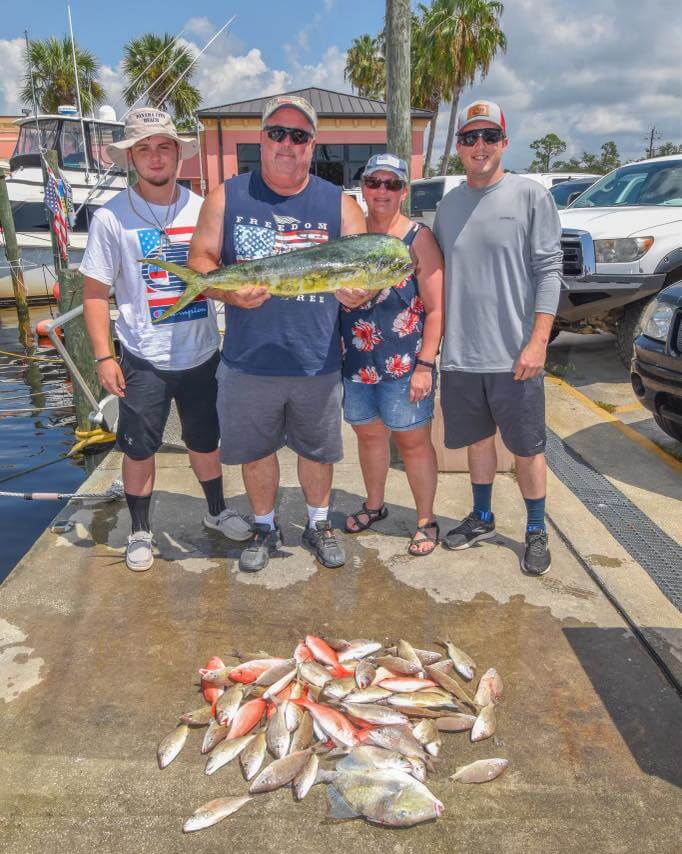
196 283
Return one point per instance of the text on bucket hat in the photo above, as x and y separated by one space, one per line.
481 111
143 123
296 102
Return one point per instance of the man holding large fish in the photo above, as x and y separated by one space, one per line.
279 379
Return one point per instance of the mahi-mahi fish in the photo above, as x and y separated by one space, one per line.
366 261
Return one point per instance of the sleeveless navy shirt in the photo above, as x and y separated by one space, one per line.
296 336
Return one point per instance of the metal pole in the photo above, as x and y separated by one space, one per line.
14 261
33 92
78 94
202 182
398 112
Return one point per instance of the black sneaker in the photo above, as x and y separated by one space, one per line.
266 541
322 542
537 559
469 531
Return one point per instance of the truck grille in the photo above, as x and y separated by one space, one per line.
573 255
678 343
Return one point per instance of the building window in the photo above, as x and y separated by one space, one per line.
339 164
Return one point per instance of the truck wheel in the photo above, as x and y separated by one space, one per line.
628 328
672 428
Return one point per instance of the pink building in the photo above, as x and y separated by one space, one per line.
350 130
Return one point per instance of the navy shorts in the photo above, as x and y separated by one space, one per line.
143 412
475 405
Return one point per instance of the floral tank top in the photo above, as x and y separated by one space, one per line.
380 340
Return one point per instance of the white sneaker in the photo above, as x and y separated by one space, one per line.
139 555
230 524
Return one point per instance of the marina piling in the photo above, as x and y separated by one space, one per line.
14 261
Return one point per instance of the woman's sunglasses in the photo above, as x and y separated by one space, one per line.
392 184
278 133
491 136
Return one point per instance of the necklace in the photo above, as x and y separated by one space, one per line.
164 237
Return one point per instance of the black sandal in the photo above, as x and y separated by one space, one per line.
372 516
427 538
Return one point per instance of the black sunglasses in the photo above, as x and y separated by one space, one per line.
278 133
392 184
491 136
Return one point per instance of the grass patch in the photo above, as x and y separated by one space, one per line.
608 407
557 369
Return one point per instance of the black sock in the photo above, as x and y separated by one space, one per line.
139 511
213 490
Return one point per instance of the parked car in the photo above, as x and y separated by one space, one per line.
622 244
552 179
656 371
566 192
426 193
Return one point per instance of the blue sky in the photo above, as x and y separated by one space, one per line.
588 70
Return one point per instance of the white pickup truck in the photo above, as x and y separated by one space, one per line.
622 243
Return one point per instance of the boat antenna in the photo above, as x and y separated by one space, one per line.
78 94
203 50
41 147
145 70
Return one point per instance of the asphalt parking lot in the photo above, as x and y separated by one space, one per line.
590 364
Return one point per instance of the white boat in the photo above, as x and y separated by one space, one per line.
93 179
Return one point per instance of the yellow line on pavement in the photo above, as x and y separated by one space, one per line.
628 407
631 434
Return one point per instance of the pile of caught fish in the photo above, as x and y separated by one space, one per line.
363 719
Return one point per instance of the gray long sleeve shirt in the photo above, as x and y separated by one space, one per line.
503 263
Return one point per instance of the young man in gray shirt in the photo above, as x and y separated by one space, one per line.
500 236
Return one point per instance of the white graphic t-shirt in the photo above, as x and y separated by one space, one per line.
120 235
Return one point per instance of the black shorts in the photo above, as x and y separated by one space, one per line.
474 405
143 412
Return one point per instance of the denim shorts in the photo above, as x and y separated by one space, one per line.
387 400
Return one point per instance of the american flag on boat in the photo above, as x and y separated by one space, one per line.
55 203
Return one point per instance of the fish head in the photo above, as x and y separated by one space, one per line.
411 804
388 262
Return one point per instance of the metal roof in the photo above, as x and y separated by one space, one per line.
328 104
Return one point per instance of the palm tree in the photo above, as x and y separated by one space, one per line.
54 78
365 68
151 62
465 36
427 80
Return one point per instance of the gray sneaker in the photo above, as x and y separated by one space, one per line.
139 555
266 541
536 559
322 542
469 531
230 524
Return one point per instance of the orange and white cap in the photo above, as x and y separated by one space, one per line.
481 111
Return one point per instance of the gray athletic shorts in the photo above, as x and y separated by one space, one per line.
475 404
259 415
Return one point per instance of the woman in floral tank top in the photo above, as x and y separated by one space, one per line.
389 349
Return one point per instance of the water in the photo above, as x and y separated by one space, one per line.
37 424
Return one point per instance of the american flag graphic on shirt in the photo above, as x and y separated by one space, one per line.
163 289
253 241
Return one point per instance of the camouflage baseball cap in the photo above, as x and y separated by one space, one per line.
296 102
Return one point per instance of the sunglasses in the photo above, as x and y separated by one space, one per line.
278 133
391 184
490 136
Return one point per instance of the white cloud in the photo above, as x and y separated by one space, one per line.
12 75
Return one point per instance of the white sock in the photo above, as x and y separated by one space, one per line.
268 519
317 514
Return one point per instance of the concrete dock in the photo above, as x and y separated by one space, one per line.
96 664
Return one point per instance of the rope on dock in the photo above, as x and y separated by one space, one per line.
31 358
87 438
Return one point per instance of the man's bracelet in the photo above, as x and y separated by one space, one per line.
104 359
424 363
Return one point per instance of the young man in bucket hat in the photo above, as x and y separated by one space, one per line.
161 362
500 236
279 381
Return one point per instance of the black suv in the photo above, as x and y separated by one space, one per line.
656 371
